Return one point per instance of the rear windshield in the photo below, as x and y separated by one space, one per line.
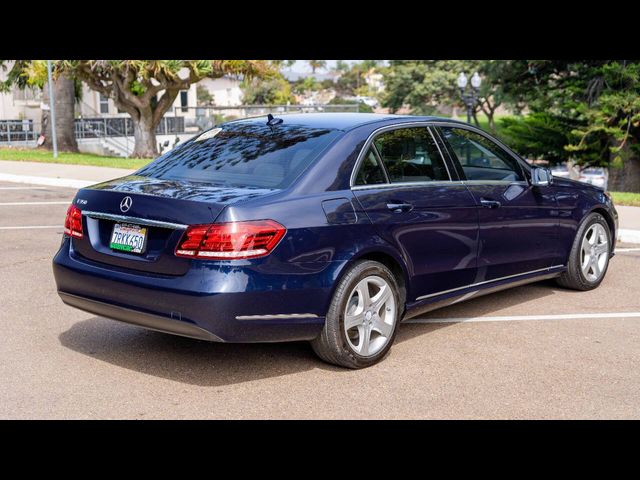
244 154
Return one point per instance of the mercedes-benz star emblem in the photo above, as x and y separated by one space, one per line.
125 204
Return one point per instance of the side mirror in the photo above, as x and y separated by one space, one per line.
541 177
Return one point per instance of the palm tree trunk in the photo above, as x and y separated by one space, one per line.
64 95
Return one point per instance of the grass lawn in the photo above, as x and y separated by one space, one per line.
45 156
626 198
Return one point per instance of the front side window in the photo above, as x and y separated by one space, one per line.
480 158
411 155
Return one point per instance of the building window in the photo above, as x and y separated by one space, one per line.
27 94
104 104
184 100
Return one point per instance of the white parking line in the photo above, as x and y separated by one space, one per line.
524 318
627 250
53 182
26 227
24 188
14 204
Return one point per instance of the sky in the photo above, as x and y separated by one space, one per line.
303 66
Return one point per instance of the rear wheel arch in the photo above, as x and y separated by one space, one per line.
386 258
610 222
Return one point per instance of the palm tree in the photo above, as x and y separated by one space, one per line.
315 64
64 92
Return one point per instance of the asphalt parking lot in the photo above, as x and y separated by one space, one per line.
544 352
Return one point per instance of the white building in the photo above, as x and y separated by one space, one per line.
374 81
226 91
20 104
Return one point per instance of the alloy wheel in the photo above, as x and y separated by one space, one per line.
594 252
370 316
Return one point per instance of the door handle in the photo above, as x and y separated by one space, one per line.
399 207
485 202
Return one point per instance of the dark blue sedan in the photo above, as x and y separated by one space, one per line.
325 227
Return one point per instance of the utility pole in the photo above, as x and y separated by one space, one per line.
52 111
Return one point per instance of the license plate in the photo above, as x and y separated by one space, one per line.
128 238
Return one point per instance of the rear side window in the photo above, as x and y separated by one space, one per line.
411 155
480 158
244 154
370 172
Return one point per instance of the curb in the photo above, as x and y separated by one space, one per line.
627 235
49 181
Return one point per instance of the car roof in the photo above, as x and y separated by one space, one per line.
342 121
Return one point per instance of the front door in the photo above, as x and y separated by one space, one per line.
405 187
518 222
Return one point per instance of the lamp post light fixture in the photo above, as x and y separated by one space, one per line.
469 96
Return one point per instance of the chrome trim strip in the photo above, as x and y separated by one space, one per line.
546 269
276 316
135 220
495 182
435 183
396 126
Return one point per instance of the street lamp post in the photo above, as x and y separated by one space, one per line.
52 111
469 96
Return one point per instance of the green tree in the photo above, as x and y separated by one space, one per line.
537 135
594 103
203 96
32 74
352 79
306 84
146 89
276 91
341 66
362 107
316 64
424 85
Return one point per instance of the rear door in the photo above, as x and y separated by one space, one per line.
418 205
518 222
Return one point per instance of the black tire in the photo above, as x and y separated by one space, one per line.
331 345
573 278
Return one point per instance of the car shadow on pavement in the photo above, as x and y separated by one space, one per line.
187 360
488 305
211 364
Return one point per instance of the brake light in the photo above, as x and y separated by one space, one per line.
73 222
228 241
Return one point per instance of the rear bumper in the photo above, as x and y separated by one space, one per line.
229 302
136 317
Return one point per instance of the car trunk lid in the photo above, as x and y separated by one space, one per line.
164 208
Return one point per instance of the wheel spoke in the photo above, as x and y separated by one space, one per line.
381 298
380 326
351 321
602 248
363 292
365 338
586 263
595 265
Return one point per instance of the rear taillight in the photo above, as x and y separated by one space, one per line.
233 240
73 222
